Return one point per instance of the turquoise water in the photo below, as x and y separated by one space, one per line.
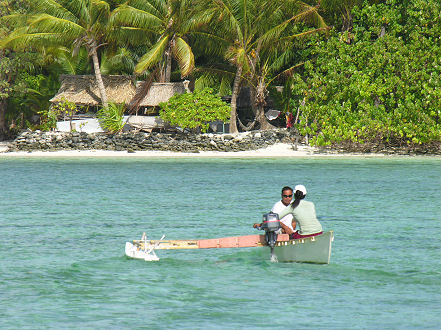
64 224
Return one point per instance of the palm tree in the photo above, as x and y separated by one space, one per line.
253 28
168 23
274 56
70 23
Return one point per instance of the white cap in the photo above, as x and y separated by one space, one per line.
301 188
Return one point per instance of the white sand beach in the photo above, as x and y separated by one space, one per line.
279 150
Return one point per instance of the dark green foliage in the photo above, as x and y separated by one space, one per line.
380 82
195 110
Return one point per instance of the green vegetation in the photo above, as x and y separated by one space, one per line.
167 22
48 119
354 71
195 110
258 39
111 118
379 83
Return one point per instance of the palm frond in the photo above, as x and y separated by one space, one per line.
44 23
81 9
205 80
157 8
15 20
100 11
217 71
134 17
225 85
53 8
119 62
130 36
310 15
153 56
19 40
285 73
304 12
184 56
208 43
230 16
303 34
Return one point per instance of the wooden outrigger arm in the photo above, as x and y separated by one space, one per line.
145 249
224 242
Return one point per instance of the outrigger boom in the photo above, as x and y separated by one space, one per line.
224 242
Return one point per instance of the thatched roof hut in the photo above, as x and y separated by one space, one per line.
162 92
83 89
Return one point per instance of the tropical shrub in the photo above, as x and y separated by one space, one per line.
62 110
378 83
195 110
111 118
48 120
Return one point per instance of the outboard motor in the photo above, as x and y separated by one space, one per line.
271 224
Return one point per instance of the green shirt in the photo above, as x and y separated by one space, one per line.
305 216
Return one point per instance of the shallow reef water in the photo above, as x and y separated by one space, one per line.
64 223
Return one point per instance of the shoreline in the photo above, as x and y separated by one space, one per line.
278 150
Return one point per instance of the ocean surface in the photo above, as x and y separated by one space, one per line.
64 223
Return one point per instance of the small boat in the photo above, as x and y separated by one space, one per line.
315 249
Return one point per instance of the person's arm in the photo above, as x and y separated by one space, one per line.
286 211
286 229
294 224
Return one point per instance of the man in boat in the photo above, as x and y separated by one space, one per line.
303 213
287 222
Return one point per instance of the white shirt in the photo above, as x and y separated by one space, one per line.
287 219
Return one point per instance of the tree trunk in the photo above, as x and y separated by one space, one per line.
3 127
99 78
259 101
168 67
261 118
234 94
162 69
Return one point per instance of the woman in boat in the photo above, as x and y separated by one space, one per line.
304 214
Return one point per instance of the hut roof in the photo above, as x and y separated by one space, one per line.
161 92
83 89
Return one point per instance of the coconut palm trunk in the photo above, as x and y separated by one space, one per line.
258 90
168 65
260 95
234 94
96 67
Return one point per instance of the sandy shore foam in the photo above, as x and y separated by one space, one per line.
279 150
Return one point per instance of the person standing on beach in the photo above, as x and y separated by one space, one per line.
303 213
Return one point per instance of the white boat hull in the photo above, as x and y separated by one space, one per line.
316 249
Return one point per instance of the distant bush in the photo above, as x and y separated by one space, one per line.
195 110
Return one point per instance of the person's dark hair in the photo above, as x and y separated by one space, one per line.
286 188
298 196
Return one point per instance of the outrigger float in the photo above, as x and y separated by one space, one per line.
315 249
